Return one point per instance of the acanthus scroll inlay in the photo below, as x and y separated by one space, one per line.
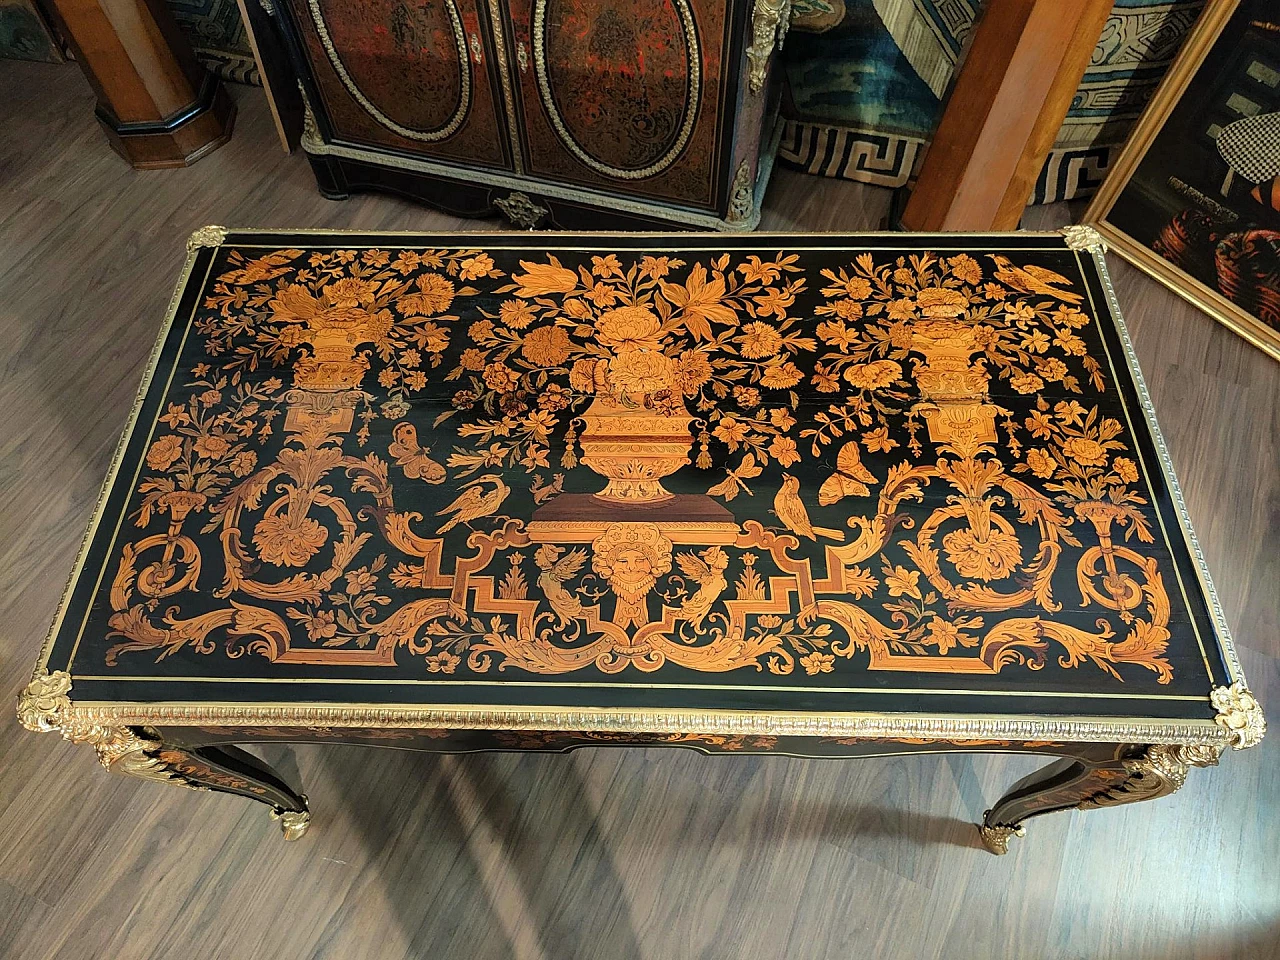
899 516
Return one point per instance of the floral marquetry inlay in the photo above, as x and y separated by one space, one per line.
513 461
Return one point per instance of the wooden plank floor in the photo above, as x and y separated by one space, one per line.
602 854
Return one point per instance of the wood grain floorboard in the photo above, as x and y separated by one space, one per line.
607 854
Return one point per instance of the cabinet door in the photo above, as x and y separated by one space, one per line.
417 76
627 95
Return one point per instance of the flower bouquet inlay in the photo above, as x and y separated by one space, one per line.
767 465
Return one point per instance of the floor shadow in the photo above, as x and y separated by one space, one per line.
463 837
515 842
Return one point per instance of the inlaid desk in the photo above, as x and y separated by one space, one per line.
812 495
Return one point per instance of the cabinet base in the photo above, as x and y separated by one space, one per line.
341 170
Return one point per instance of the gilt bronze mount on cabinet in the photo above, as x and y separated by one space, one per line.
797 494
555 113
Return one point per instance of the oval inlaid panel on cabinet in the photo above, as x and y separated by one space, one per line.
620 81
404 61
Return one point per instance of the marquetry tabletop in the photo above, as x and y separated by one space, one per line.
568 488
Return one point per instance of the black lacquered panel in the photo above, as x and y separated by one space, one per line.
784 473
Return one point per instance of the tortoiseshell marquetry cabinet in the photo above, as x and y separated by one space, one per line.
568 113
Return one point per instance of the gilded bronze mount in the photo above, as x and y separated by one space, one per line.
45 706
1158 772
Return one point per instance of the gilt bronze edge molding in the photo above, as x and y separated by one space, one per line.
671 235
45 706
656 209
497 32
688 122
1223 631
466 78
1240 720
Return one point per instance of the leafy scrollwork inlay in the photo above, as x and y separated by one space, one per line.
636 460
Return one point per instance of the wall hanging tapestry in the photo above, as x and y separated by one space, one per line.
866 78
216 32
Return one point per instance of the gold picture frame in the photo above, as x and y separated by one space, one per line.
1210 28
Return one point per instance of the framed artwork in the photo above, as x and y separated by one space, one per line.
1194 199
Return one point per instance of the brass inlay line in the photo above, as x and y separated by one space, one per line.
425 681
116 462
693 92
560 248
657 209
450 126
1157 440
127 437
1223 631
504 78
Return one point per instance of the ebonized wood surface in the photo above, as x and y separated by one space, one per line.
885 473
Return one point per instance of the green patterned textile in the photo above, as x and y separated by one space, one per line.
866 80
215 30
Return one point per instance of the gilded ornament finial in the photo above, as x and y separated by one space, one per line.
293 823
742 197
1161 770
1240 714
41 704
310 131
769 22
1080 236
996 837
207 236
43 707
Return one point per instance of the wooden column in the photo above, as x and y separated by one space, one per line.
158 105
1008 101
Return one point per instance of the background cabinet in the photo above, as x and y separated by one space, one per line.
400 75
557 112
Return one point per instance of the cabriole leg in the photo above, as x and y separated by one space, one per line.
1104 777
228 769
44 707
144 752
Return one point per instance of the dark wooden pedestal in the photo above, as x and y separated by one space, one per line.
158 106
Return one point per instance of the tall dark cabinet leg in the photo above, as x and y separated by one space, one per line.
330 178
